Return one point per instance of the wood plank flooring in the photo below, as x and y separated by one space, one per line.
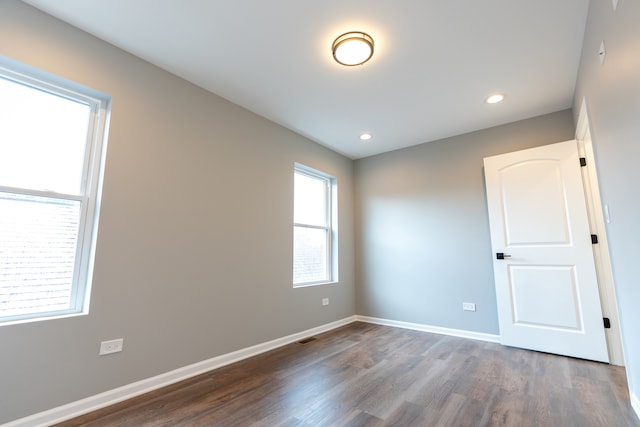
371 375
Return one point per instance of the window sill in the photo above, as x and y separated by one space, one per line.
43 318
307 285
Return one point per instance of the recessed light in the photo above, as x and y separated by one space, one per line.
495 98
366 136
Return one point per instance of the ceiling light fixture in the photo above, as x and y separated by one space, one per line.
366 136
495 98
353 48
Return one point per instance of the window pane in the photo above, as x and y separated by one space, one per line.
309 255
42 139
310 200
38 238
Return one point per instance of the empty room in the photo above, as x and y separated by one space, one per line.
289 213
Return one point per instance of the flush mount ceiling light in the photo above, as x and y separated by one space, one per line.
495 98
353 48
366 136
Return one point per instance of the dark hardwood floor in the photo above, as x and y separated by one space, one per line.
370 375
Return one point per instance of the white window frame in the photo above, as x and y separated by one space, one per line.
91 186
331 256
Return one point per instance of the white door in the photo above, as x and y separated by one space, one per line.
546 285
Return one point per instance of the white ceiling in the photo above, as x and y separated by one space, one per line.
434 63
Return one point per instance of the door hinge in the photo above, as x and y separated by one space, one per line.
607 323
583 161
594 239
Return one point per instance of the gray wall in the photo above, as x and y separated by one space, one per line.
612 93
194 252
422 236
194 248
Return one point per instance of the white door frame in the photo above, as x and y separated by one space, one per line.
600 250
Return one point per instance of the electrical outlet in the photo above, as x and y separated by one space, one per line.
325 301
112 346
468 306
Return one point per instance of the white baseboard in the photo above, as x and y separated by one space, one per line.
110 397
635 404
98 401
433 329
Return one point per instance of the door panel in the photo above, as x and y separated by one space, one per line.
545 296
535 211
546 285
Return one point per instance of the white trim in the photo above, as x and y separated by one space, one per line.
98 401
480 336
635 404
601 250
90 190
110 397
331 221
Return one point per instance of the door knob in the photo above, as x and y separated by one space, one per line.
500 255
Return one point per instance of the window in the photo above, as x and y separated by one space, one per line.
313 227
51 160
